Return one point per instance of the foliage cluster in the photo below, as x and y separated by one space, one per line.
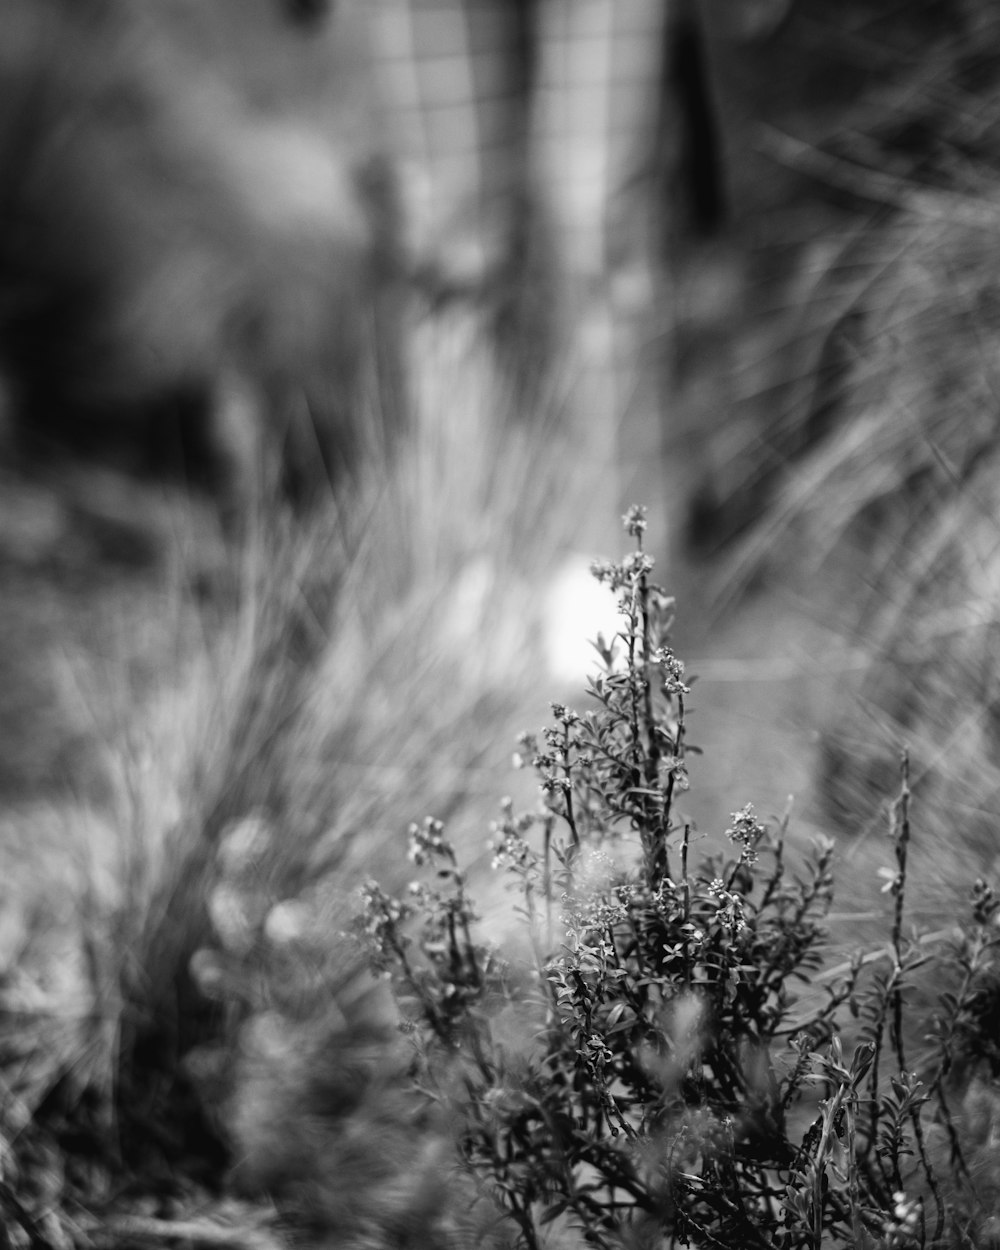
667 1064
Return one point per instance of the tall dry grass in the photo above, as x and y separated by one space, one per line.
873 518
179 991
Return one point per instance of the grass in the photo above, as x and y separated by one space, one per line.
172 1002
186 1005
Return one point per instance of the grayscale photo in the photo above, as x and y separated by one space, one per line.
499 594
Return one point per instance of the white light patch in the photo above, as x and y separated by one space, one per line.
577 609
293 179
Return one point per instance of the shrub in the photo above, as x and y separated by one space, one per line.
647 1073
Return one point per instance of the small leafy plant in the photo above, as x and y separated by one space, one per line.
650 1073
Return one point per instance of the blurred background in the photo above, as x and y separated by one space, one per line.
334 339
243 244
